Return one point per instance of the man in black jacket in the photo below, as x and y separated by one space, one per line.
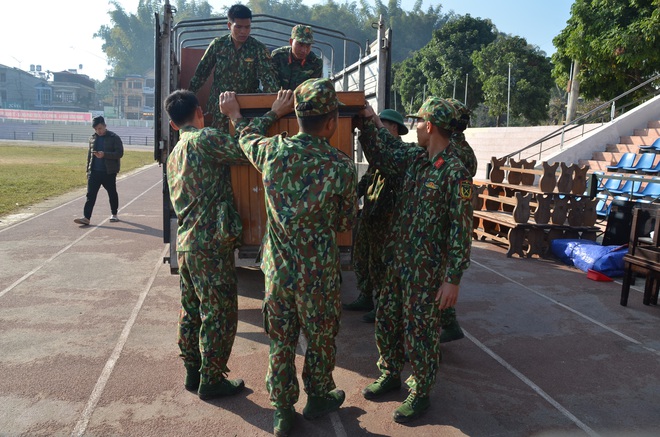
103 162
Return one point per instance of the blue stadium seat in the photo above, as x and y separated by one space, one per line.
626 160
645 161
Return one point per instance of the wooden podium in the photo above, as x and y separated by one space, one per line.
246 180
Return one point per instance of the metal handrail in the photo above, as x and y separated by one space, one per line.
583 119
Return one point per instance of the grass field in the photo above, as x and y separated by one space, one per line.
31 174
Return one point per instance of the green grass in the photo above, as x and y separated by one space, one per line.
31 174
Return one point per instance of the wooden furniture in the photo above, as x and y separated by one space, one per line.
528 217
643 255
246 180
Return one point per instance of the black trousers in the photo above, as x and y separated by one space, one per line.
98 179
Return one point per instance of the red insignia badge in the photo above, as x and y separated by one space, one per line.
439 163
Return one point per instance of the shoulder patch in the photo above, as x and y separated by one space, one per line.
465 188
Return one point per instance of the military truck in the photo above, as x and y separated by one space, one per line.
180 46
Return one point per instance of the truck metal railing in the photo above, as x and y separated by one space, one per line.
276 34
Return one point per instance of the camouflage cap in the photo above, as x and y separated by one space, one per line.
439 112
315 97
303 34
462 114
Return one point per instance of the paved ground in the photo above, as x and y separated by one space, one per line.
88 329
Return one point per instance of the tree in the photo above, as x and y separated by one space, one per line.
530 78
409 81
452 47
616 43
129 42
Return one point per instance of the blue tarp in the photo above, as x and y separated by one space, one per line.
587 254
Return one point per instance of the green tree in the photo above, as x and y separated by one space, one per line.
530 78
615 42
129 41
451 48
409 81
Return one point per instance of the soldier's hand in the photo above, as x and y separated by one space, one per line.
447 295
367 111
229 105
283 104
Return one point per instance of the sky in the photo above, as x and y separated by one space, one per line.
60 36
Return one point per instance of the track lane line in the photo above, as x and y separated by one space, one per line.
533 386
69 246
568 308
86 415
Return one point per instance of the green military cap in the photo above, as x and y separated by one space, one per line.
303 34
315 97
395 117
439 112
462 114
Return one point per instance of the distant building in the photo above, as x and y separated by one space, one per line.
134 96
66 91
73 92
21 90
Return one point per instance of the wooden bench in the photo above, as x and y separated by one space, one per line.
569 179
527 217
537 237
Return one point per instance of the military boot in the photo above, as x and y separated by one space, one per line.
191 383
451 332
283 421
370 317
226 387
362 303
385 384
413 407
318 406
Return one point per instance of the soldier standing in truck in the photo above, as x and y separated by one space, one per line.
240 61
296 62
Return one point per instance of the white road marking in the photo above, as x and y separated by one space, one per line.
81 426
533 386
43 264
574 311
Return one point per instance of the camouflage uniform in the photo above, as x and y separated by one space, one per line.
310 196
374 229
291 72
209 229
432 228
235 70
464 152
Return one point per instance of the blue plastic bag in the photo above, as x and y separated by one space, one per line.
587 254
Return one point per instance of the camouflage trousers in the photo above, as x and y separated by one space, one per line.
407 321
315 311
209 312
371 236
447 317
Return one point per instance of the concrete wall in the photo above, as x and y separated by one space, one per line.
500 141
579 143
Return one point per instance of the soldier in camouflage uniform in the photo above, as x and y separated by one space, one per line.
427 256
451 330
296 62
240 62
310 188
374 225
209 229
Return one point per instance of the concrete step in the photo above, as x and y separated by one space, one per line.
638 140
653 132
